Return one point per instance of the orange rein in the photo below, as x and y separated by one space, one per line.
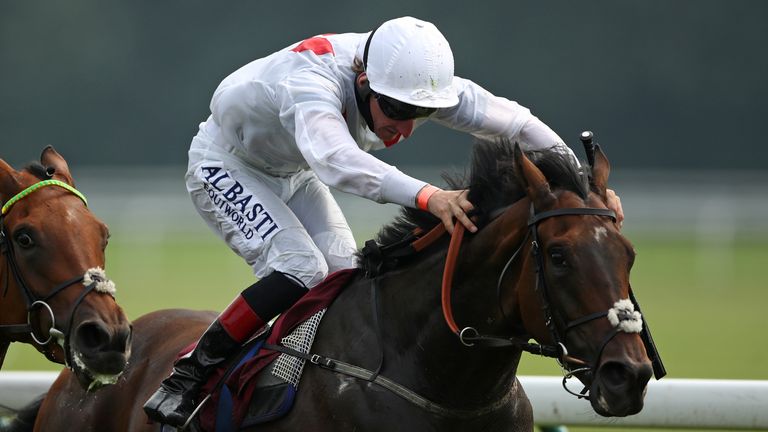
427 239
450 264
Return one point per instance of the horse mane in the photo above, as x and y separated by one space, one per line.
492 184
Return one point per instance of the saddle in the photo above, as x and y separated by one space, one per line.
260 384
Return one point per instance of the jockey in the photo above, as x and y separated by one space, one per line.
283 129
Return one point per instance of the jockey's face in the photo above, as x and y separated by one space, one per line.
386 128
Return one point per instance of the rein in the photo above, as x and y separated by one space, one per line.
32 301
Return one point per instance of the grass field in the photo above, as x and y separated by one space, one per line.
705 301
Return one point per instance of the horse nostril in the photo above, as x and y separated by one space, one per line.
644 374
92 336
614 374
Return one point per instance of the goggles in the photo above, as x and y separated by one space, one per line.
397 110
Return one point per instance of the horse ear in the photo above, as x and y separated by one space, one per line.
50 158
6 170
9 184
600 171
536 185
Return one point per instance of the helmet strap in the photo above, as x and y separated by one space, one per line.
363 92
363 97
365 51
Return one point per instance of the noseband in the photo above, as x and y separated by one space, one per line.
624 316
34 302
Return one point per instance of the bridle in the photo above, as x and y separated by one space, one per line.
34 302
469 336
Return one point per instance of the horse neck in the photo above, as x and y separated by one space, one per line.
457 373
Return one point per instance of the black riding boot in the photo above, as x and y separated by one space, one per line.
176 399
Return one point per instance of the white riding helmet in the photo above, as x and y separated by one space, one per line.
410 60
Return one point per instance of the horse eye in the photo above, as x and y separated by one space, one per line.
24 240
558 259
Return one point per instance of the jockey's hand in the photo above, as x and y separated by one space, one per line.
614 203
449 204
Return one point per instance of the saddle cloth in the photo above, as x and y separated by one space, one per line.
262 385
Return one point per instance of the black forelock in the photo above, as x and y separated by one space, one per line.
37 169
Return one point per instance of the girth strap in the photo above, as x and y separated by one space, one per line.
396 388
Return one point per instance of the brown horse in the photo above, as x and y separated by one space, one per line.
549 263
54 293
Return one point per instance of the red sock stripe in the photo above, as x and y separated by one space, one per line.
239 320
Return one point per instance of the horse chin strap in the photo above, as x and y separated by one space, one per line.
625 315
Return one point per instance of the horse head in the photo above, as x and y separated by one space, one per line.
54 293
575 295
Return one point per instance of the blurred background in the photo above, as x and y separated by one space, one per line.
675 92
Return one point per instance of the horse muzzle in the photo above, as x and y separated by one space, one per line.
99 354
619 387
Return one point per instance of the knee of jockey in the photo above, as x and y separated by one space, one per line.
339 250
308 267
293 252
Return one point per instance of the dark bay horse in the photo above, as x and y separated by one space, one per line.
54 293
548 264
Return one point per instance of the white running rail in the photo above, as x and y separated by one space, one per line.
669 403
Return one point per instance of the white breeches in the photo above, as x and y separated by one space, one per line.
290 224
